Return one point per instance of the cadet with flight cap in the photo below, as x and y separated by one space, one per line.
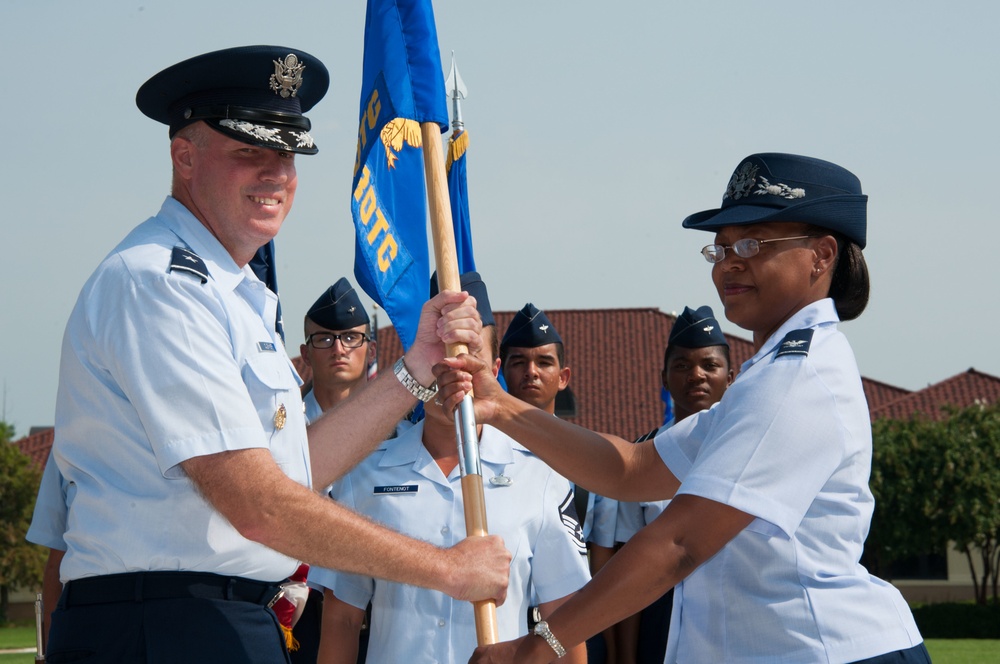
696 372
534 367
179 422
339 347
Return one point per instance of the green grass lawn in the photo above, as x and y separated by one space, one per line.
943 651
18 636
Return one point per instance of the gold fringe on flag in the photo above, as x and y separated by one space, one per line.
290 641
457 145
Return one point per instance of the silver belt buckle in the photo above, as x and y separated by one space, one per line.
274 600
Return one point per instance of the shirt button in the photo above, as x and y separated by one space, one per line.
444 531
440 623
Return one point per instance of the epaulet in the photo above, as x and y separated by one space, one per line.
646 436
795 342
184 259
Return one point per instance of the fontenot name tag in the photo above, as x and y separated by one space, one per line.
397 488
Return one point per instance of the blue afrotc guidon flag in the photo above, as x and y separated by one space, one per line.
402 86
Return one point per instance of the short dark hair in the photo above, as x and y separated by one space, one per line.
494 341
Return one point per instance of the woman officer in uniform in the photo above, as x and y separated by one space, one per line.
771 504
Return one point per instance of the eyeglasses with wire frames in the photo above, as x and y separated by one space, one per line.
350 339
745 248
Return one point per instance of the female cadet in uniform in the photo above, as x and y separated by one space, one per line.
771 502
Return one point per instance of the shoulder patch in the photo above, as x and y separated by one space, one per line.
185 259
796 342
646 436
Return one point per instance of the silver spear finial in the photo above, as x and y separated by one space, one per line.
456 92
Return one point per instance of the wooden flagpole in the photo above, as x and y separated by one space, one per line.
446 260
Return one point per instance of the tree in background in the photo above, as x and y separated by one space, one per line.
21 563
939 482
968 490
903 465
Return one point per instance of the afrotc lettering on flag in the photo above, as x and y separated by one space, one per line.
402 86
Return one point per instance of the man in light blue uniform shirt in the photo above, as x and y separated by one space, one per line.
534 367
180 431
413 483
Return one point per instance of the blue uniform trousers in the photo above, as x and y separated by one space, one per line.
166 617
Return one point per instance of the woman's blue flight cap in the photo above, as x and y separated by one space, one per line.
772 187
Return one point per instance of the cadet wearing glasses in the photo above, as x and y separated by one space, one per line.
339 348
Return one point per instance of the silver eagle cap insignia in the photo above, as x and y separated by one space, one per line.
287 76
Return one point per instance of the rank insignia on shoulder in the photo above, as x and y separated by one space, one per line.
184 259
398 488
795 342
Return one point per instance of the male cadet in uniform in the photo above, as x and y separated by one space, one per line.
179 424
413 483
534 367
696 372
338 347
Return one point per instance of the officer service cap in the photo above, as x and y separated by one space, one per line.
254 94
771 187
530 328
339 308
472 284
697 328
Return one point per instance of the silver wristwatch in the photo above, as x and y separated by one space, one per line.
542 630
425 394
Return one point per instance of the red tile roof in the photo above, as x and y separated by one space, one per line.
616 356
961 391
612 395
37 445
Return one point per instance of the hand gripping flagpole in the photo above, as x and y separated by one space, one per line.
446 260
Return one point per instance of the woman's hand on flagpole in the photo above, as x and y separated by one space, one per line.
464 374
519 651
447 318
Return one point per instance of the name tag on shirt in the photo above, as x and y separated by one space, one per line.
266 347
398 488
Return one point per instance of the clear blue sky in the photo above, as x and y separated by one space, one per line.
595 128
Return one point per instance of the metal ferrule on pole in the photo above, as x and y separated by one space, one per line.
468 450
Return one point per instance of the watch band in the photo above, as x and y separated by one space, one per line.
542 630
411 384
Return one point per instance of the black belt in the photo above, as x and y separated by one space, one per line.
141 586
